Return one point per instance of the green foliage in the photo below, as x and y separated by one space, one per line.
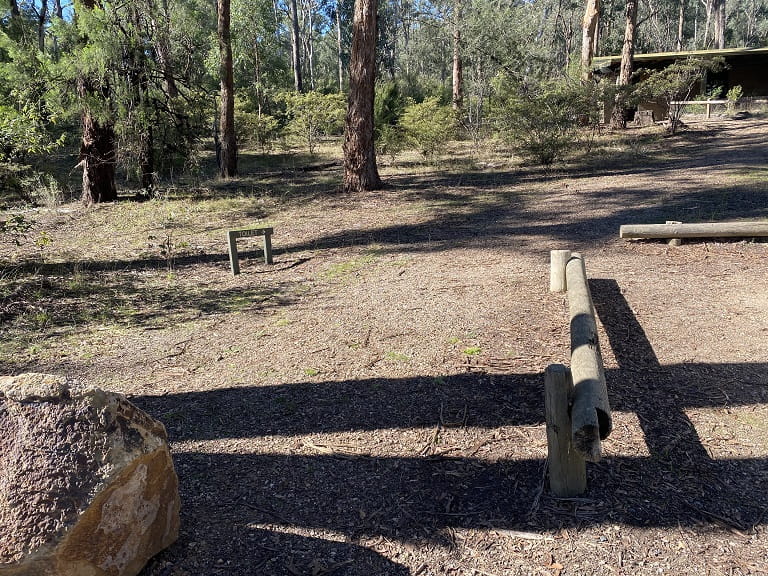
389 105
428 126
256 130
544 120
16 227
313 115
390 141
23 132
676 82
733 96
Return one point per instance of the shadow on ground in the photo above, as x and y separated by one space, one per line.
231 499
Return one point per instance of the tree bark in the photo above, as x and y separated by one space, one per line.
360 170
98 149
338 44
228 154
295 47
97 157
458 71
42 16
680 24
719 24
589 24
618 118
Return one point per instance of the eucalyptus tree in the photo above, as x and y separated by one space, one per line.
227 149
360 170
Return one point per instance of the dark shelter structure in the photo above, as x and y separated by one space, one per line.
744 67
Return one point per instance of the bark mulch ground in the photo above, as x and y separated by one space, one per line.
372 404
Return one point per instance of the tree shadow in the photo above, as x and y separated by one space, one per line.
362 496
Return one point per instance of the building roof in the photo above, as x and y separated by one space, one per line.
606 61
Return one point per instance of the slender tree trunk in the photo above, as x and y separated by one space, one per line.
338 44
680 24
295 47
310 59
458 71
591 17
228 155
360 171
618 119
42 16
257 77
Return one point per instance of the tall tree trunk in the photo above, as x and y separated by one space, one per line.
591 17
680 24
709 7
458 72
360 171
98 148
618 118
97 157
718 8
42 17
228 154
338 45
295 47
310 47
257 77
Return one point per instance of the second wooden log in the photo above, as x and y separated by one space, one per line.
591 413
701 230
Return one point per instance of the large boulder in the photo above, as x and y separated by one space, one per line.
87 484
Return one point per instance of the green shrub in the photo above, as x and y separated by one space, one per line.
390 141
543 121
428 126
313 115
733 96
257 130
389 105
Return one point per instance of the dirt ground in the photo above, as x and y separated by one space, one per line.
372 403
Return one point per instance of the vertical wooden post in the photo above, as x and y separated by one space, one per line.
558 259
567 468
674 241
268 247
709 110
233 258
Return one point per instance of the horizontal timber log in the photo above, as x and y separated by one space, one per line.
702 230
591 413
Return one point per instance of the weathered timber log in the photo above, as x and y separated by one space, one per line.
557 261
703 230
567 468
591 413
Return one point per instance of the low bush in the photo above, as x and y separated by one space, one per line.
428 126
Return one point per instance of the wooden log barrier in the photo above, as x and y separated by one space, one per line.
590 413
702 230
567 468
